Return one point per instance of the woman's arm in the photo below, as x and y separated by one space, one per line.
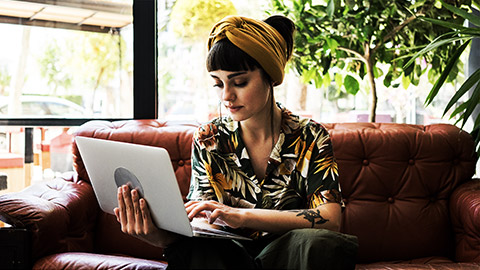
134 217
326 216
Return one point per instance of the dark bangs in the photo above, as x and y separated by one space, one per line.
225 56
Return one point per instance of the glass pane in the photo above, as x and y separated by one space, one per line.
52 154
185 90
66 59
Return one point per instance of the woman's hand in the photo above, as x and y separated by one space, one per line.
325 216
134 217
215 211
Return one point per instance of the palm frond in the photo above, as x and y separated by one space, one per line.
469 83
450 64
462 13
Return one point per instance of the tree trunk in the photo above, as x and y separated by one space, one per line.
15 105
371 81
303 97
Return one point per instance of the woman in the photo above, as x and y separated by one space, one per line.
260 170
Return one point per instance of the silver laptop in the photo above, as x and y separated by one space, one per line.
110 164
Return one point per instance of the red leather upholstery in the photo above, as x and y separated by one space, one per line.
409 195
397 180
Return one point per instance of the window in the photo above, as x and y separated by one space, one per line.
78 53
49 77
184 88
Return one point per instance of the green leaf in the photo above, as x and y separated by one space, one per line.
451 62
445 24
458 110
330 8
469 83
351 85
318 81
309 75
407 69
432 74
332 44
438 42
387 81
377 72
468 16
326 80
338 79
472 103
405 81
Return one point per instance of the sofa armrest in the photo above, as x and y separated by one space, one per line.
59 214
465 214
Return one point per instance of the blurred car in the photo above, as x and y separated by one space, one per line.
44 106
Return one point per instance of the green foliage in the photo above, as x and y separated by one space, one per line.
51 63
90 58
356 36
459 35
103 54
193 19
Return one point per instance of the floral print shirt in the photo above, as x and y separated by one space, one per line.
301 173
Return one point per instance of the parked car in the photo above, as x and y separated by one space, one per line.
44 106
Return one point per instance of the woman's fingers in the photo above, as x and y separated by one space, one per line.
129 209
137 212
148 225
195 209
200 209
215 214
120 213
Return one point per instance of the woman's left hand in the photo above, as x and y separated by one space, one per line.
232 217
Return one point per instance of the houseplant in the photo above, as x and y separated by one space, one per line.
357 37
460 37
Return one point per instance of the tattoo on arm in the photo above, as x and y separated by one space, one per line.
311 215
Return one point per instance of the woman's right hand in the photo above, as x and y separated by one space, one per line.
134 217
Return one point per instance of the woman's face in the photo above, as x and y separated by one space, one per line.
245 94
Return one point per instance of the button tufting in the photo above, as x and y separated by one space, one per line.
390 200
181 163
411 162
366 162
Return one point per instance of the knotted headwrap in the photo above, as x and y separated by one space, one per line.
256 38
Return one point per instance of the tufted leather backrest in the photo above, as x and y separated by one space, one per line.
175 137
397 180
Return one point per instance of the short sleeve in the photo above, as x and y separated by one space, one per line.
322 178
200 186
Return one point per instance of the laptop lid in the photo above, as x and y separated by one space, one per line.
147 168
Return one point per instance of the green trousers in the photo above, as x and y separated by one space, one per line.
296 249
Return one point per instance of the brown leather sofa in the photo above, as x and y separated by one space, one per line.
409 193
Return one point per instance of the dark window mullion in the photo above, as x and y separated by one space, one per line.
145 71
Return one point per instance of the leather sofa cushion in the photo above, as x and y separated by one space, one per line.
397 180
81 260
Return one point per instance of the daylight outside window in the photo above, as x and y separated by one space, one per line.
65 59
186 92
61 60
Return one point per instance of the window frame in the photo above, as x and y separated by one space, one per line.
145 94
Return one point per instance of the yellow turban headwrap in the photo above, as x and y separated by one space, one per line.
256 38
